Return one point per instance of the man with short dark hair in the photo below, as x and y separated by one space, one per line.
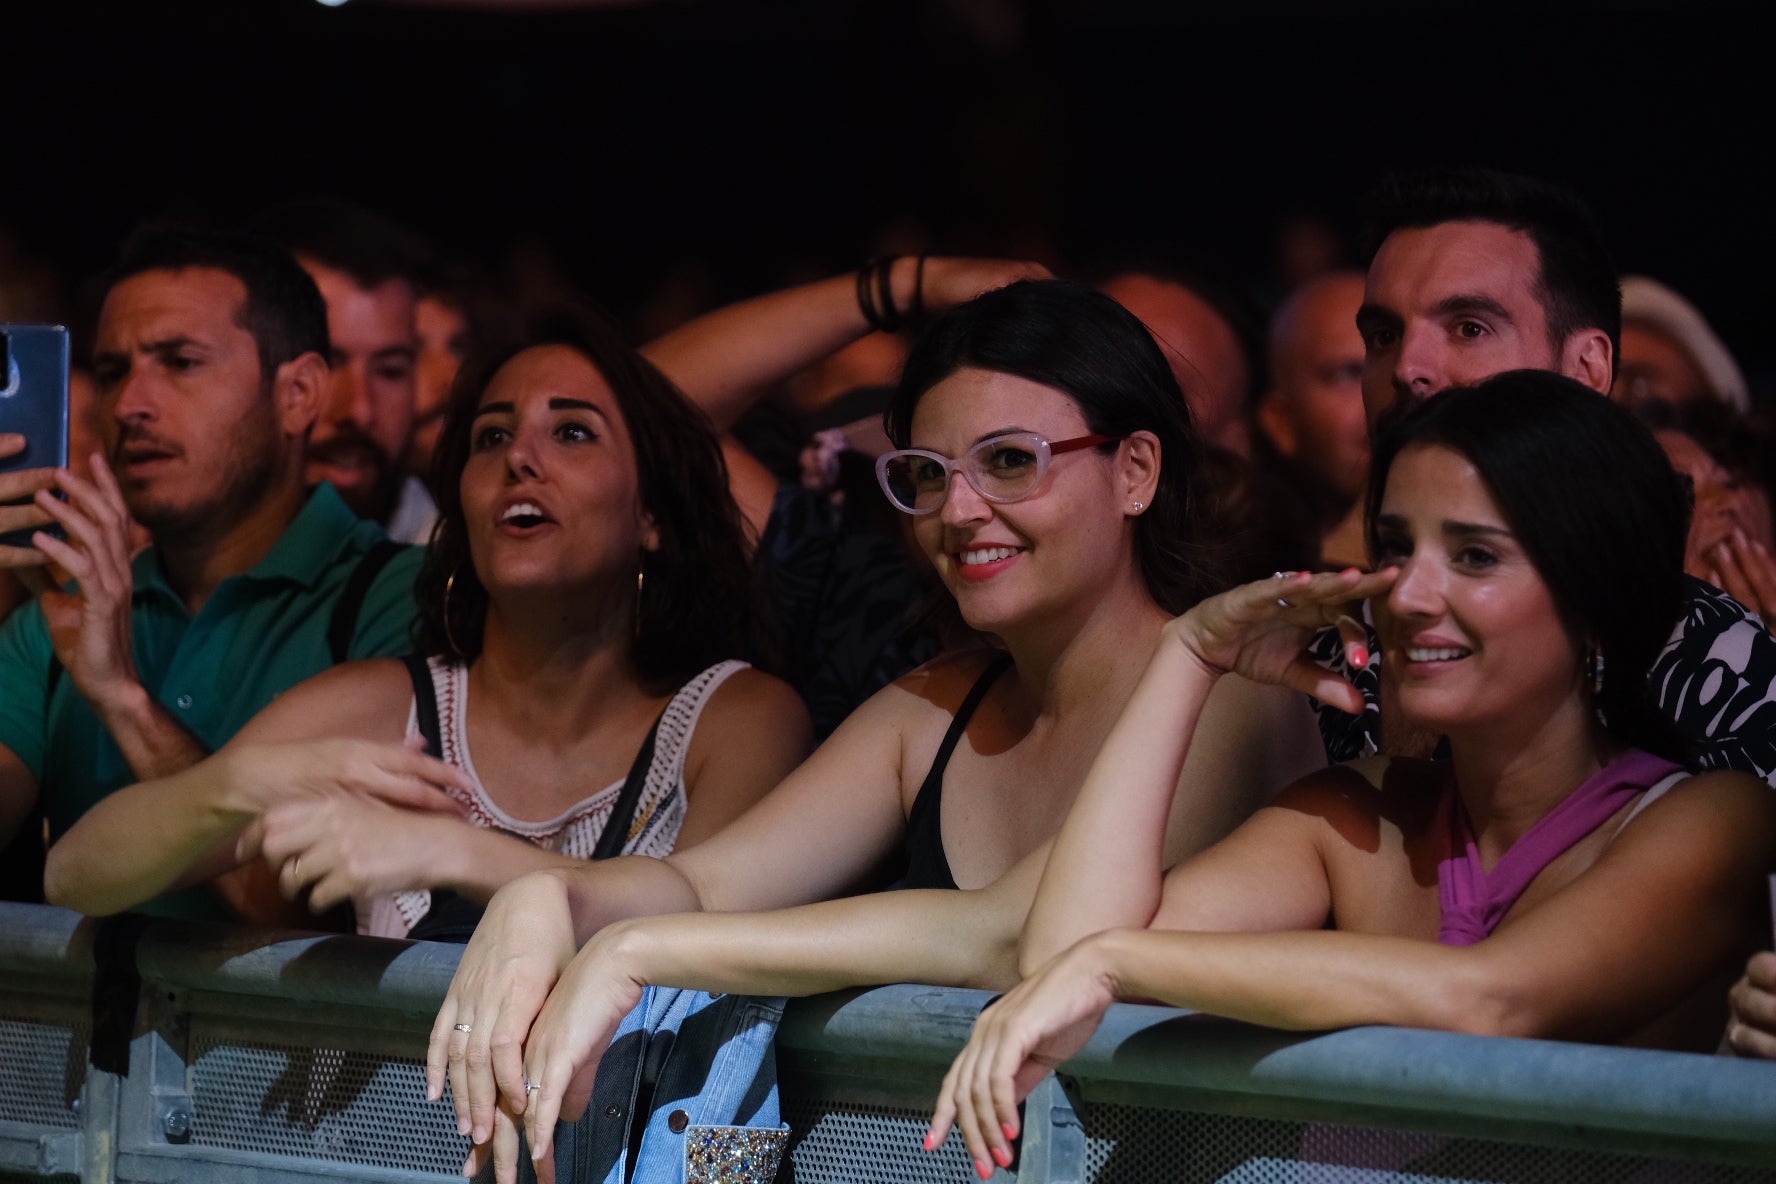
1475 273
210 368
367 269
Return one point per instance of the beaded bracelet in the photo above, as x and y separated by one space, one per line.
875 293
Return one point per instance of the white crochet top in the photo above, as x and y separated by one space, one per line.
658 814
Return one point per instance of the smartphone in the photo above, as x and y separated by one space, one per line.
34 402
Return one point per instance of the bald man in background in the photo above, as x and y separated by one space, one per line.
1312 416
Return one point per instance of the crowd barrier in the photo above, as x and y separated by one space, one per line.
163 1051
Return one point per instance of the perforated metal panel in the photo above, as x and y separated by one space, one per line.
316 1103
837 1142
42 1067
1131 1145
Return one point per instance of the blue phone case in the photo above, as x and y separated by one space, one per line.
34 401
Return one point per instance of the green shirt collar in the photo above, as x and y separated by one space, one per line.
301 555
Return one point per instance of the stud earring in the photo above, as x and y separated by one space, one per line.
1139 506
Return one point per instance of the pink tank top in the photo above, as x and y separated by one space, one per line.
1474 901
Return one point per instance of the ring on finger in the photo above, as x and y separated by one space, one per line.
464 1028
1283 601
530 1087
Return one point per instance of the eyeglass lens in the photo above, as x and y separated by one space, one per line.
1002 469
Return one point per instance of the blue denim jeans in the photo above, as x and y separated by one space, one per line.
713 1099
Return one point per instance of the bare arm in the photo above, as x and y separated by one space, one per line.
726 359
813 838
752 734
1665 906
180 829
91 628
959 938
1110 855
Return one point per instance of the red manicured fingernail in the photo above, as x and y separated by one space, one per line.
1360 656
1002 1157
930 1140
1010 1131
983 1169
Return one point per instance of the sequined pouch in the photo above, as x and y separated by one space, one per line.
733 1154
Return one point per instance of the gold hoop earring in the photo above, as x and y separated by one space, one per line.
640 582
449 638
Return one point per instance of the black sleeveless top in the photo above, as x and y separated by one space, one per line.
926 864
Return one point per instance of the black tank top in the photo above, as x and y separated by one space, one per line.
926 864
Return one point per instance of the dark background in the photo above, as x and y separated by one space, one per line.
734 146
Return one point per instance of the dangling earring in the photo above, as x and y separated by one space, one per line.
449 585
1596 664
640 582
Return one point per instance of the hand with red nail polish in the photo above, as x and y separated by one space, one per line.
1261 630
1016 1043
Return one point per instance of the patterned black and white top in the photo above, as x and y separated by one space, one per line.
1715 679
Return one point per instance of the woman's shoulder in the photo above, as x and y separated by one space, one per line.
1720 800
739 707
1360 796
739 689
369 698
946 681
367 681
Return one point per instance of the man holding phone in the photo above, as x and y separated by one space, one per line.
211 369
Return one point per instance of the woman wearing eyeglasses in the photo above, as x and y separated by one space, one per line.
1044 461
1560 876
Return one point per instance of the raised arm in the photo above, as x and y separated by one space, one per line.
91 627
1110 855
726 359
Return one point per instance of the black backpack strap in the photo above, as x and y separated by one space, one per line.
425 703
344 624
616 831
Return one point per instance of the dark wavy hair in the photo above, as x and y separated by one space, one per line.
698 604
1594 502
1086 345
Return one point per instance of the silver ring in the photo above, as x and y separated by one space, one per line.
530 1087
464 1028
1282 601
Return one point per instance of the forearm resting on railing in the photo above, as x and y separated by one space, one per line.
942 937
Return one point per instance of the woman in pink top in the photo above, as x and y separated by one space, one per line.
1538 882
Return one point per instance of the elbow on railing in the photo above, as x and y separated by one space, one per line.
1479 1001
65 887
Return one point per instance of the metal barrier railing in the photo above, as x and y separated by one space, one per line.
164 1051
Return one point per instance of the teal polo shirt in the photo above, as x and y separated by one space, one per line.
258 634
